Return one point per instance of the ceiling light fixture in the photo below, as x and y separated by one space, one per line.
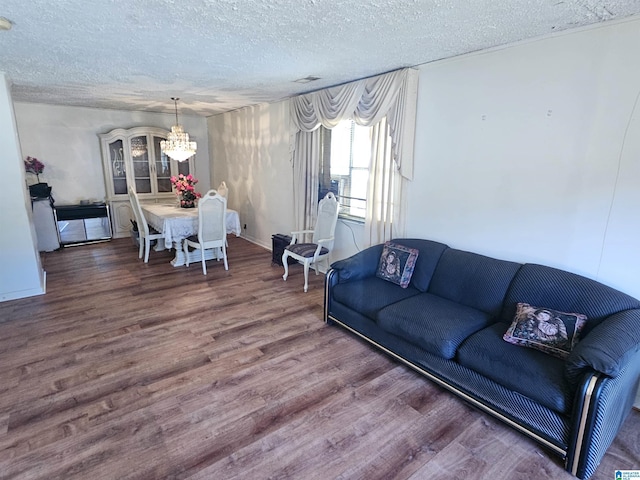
177 144
307 79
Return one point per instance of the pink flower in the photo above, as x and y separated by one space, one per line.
33 165
184 187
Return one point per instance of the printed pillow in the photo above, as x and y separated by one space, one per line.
397 263
544 329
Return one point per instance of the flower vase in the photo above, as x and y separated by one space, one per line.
187 203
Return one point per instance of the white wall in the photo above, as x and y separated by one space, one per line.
21 273
66 140
532 153
250 152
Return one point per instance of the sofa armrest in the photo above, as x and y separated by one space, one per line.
361 265
601 405
607 348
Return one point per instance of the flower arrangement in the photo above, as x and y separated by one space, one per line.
184 187
33 165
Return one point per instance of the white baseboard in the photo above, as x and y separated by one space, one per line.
256 242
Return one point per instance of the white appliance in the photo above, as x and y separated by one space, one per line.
44 221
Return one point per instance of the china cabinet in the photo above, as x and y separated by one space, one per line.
133 158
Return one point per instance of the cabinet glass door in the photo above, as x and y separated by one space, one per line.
118 172
162 167
140 160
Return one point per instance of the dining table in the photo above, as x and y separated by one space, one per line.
176 224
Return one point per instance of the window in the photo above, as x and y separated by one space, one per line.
345 167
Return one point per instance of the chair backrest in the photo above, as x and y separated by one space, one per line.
327 219
223 190
212 211
143 226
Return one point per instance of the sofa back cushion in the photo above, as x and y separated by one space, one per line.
473 280
428 257
550 287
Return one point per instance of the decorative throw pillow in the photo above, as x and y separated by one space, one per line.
550 331
397 263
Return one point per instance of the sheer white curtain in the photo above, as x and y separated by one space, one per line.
306 169
391 96
382 217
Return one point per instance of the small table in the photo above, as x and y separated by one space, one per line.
177 223
83 223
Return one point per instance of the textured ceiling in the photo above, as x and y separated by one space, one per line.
219 55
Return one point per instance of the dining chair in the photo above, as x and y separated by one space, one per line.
212 229
145 232
321 244
223 190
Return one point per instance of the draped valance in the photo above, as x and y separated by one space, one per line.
392 95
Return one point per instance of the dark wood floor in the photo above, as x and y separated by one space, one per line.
125 370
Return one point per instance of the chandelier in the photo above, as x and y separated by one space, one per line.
177 144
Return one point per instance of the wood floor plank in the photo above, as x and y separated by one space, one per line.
130 370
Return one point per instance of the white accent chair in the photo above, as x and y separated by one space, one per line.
212 229
145 233
322 242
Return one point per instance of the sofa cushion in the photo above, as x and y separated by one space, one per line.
397 263
436 324
544 329
371 294
524 370
564 291
430 253
473 280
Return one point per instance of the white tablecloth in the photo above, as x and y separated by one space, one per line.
176 223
